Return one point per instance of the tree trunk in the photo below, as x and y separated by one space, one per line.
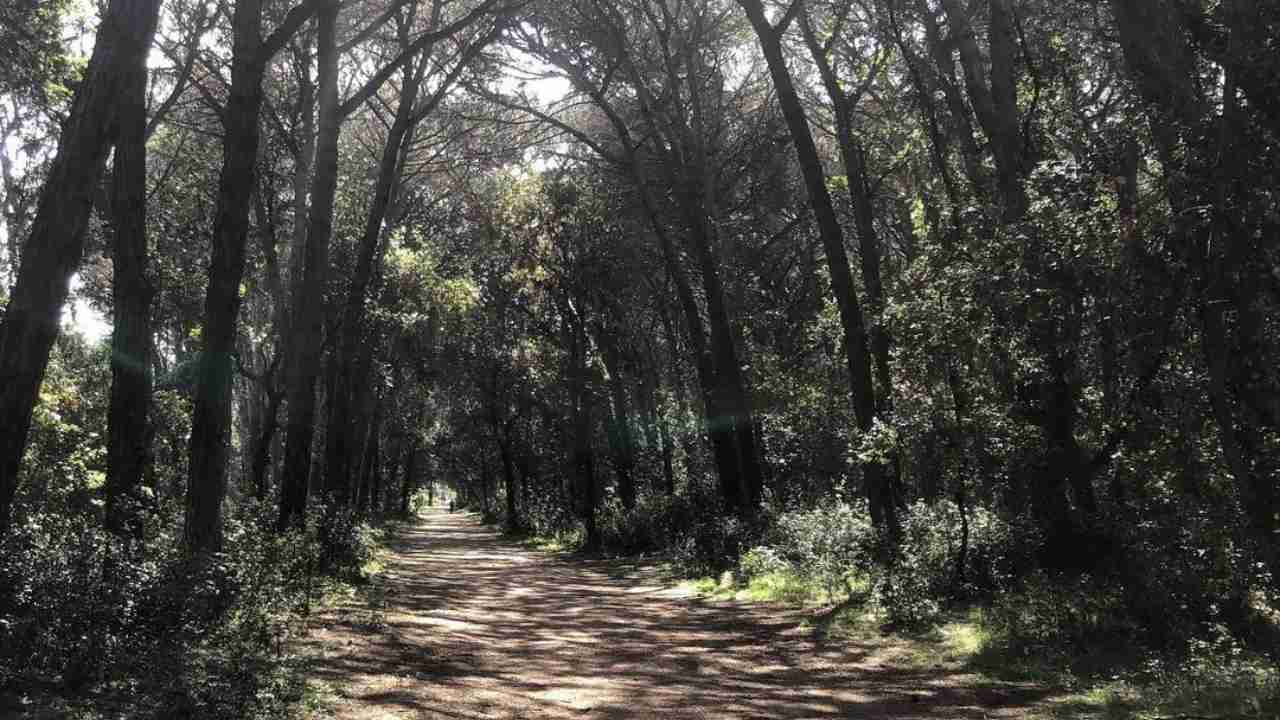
581 454
127 435
56 244
678 389
513 522
210 431
621 438
857 353
308 313
409 480
723 447
262 443
734 419
369 255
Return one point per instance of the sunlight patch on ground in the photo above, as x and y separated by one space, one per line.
447 623
644 589
568 696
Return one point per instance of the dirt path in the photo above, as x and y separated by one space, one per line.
476 627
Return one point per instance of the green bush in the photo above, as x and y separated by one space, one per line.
830 544
167 637
834 547
653 524
691 527
549 514
349 543
1047 615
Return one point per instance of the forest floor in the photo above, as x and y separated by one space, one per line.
467 624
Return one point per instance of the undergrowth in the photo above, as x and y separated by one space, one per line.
1076 635
94 626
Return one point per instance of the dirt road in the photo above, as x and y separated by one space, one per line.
476 627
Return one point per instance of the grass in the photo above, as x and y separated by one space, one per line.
561 542
780 586
318 699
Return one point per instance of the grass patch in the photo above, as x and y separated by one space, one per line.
318 698
561 542
1226 688
775 586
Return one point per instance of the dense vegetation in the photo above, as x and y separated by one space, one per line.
912 305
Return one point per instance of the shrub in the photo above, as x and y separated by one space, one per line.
350 543
549 514
834 547
831 544
1049 615
656 521
167 637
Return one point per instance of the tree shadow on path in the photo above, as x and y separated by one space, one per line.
477 627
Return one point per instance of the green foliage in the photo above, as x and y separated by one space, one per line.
33 63
65 459
690 528
1044 616
350 543
833 550
834 543
547 514
162 635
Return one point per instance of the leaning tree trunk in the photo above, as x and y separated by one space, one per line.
582 455
724 452
56 244
858 356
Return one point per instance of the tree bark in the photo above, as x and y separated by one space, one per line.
621 436
127 434
582 455
211 418
211 429
407 483
308 312
513 521
723 447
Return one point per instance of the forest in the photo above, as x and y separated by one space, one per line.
927 314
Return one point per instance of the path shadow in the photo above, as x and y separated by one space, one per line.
477 627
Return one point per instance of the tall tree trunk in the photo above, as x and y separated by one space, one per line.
853 157
55 246
262 443
582 456
308 324
724 451
211 417
658 429
734 419
301 178
621 437
682 403
371 248
127 435
858 357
